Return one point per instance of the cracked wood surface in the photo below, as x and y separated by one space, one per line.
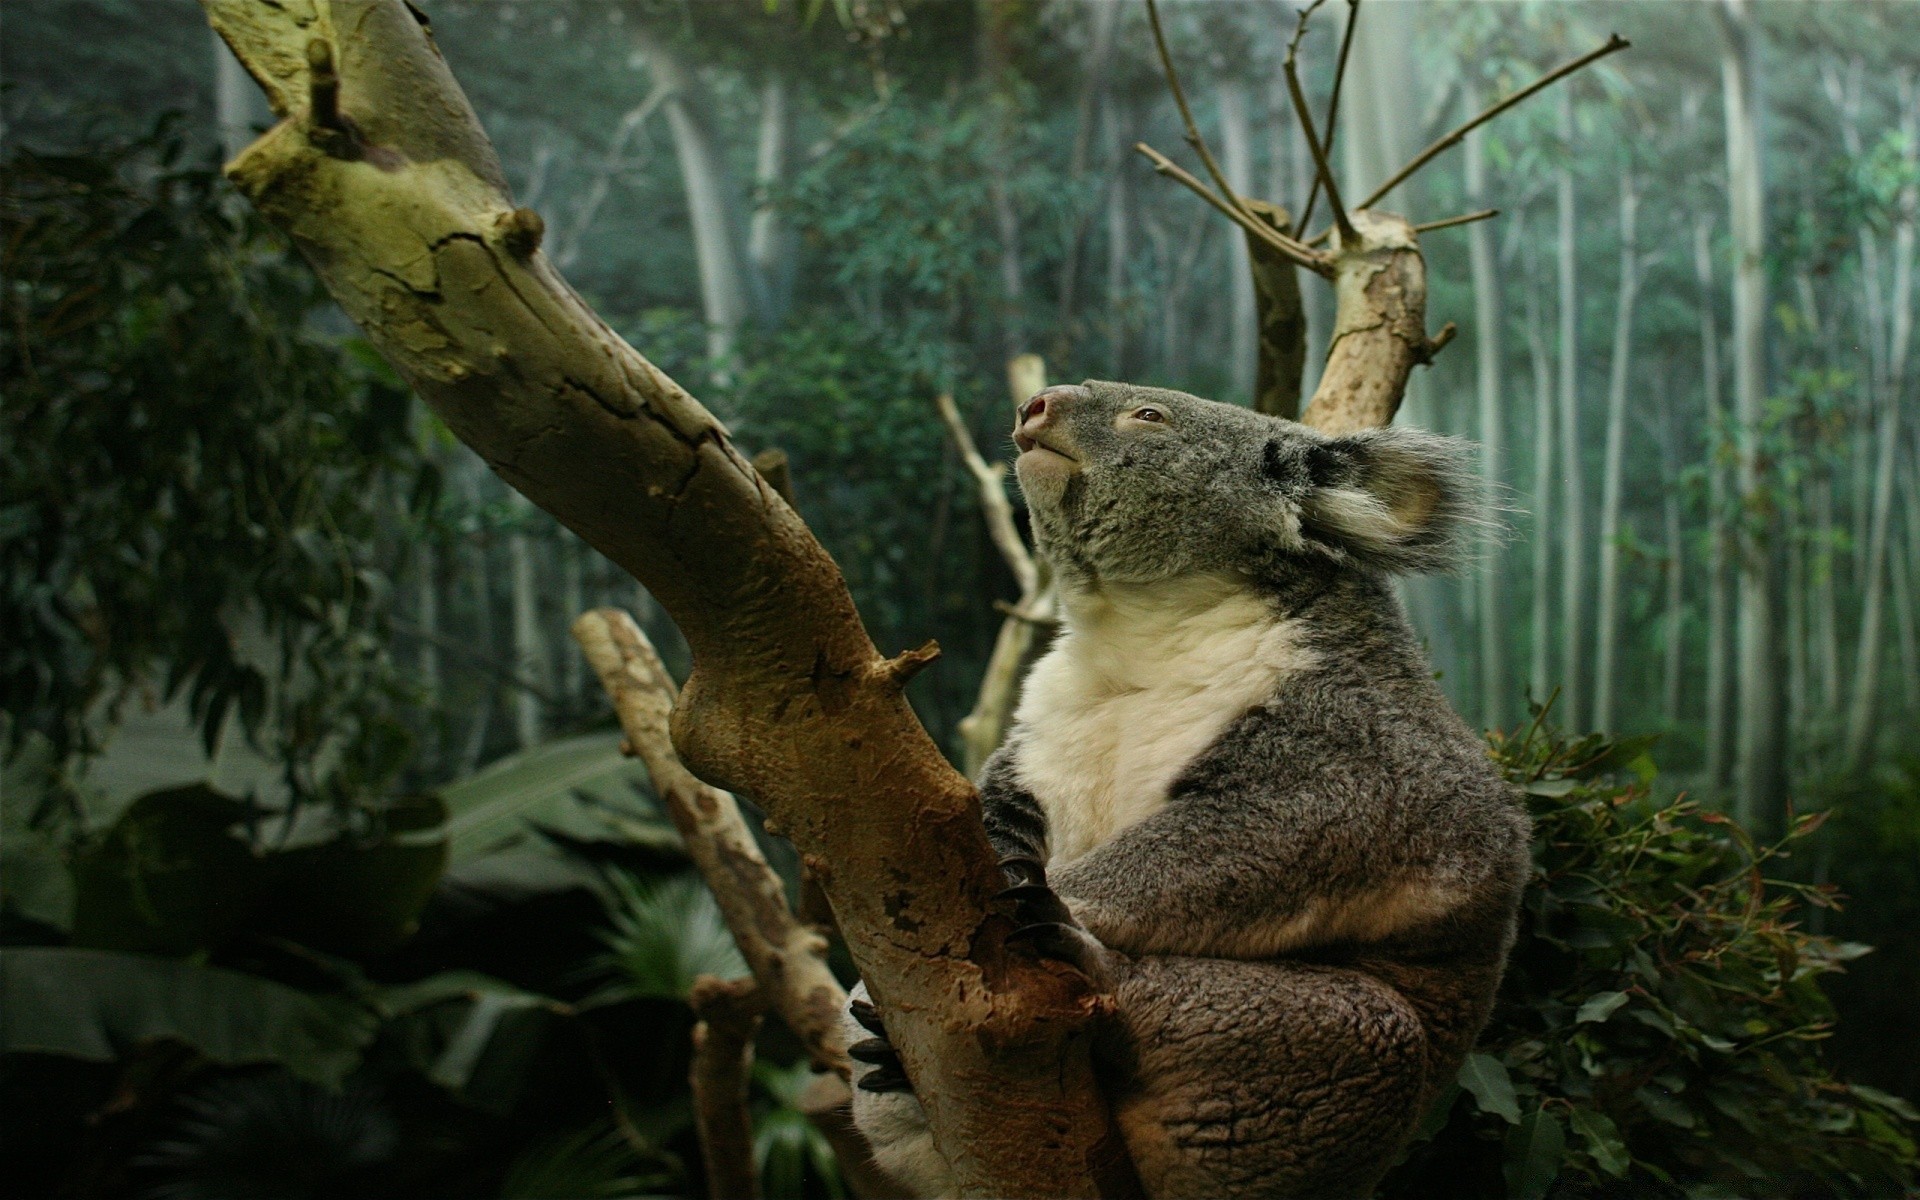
1379 326
396 197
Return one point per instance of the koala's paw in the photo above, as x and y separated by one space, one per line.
886 1073
1044 921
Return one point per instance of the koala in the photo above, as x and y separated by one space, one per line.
1233 794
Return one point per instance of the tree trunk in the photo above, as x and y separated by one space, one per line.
1675 647
788 702
1540 357
1120 222
1236 159
770 241
1607 619
1573 489
712 206
1760 753
481 573
531 661
1496 683
1864 708
1719 532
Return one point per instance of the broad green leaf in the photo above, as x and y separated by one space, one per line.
1486 1077
495 805
350 896
98 1004
169 877
1603 1141
1897 1105
1600 1007
472 1034
1534 1150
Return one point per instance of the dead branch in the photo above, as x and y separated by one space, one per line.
1485 214
1614 43
982 729
1379 326
1331 124
995 508
1323 171
407 220
1311 259
1194 139
786 956
728 1018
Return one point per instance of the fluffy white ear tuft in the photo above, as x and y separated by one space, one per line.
1399 500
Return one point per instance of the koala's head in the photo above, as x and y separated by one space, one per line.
1132 484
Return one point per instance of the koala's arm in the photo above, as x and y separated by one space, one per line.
1016 824
1251 861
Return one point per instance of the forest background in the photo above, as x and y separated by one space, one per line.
237 552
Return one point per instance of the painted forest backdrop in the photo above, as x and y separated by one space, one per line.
1685 346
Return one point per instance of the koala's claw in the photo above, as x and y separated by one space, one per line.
878 1051
1068 943
868 1016
1036 904
1024 870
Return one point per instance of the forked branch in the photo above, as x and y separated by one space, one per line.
1304 256
1323 172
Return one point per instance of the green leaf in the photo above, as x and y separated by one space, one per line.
1552 789
494 806
1534 1150
1603 1141
472 1034
1486 1077
1600 1007
98 1004
664 935
169 877
1659 1104
1897 1105
353 896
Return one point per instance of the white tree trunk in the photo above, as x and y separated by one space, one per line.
1495 675
1607 619
532 664
712 208
770 241
1863 710
1573 501
1760 750
1540 357
1719 692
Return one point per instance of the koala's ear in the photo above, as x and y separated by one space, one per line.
1398 500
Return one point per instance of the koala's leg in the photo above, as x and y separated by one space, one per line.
887 1113
1264 1079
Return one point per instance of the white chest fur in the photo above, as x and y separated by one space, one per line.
1143 679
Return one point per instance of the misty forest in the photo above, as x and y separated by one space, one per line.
353 843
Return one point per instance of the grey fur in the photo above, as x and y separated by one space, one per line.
1306 936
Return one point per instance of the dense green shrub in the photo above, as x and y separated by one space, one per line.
1660 1029
193 470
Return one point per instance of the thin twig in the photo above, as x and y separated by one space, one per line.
1485 214
1186 114
1333 102
1614 42
1291 249
1301 111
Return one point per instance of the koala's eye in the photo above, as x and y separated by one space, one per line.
1148 414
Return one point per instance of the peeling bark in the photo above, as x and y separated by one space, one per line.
1379 327
380 172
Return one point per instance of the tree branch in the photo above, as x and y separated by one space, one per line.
1333 101
982 729
728 1013
1323 172
995 509
787 957
407 220
1614 42
1281 320
1194 139
1485 214
1379 326
1311 259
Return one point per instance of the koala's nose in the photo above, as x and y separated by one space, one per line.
1045 409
